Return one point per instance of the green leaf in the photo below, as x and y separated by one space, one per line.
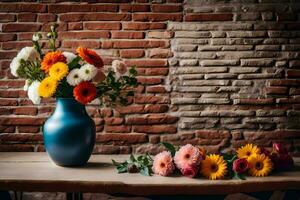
170 148
74 63
121 167
132 158
145 171
132 71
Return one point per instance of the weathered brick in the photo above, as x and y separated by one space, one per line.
208 17
7 17
132 53
166 8
127 35
20 27
155 129
22 7
156 17
134 8
65 8
102 25
142 26
160 53
122 138
76 17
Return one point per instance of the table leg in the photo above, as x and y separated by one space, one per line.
74 196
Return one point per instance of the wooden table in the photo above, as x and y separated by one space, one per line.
35 172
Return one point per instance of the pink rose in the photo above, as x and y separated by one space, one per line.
240 165
189 170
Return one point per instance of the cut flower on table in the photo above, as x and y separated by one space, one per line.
192 161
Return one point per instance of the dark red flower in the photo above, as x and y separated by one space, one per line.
240 165
279 148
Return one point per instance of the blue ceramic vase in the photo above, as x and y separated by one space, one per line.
69 134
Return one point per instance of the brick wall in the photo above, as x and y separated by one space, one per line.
214 73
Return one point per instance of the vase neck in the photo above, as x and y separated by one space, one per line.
69 105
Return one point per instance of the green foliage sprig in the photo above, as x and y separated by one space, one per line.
52 36
141 164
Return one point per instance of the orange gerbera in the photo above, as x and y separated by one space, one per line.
90 56
85 92
51 58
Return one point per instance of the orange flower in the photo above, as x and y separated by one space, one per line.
90 56
51 58
85 92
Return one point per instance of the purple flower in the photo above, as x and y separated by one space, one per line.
240 165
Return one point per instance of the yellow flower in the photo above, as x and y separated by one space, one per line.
247 151
47 87
260 165
58 71
214 167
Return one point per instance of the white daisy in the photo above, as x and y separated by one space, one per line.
33 92
28 53
73 77
87 72
14 66
69 56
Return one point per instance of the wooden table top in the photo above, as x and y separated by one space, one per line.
35 172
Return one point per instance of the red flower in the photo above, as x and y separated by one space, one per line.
90 57
189 170
240 165
85 92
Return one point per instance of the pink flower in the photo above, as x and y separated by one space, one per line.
163 164
187 155
240 165
279 148
189 170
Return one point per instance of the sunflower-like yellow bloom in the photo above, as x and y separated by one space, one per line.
58 71
247 151
47 87
260 165
214 167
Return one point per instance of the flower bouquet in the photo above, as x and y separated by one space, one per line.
192 161
66 75
74 80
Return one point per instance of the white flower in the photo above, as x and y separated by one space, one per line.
28 53
14 66
119 67
33 92
87 72
25 88
35 38
73 77
69 56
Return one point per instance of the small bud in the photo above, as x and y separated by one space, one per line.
35 38
132 168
